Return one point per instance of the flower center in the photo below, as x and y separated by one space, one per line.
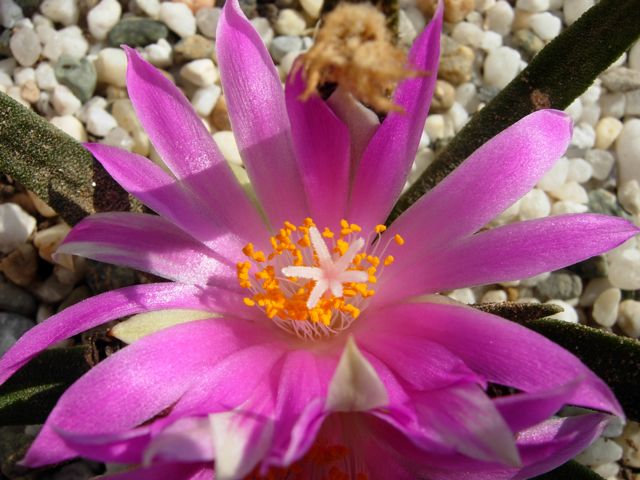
314 284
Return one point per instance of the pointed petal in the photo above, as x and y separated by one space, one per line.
151 244
355 385
161 192
503 352
321 144
135 384
496 175
511 252
113 305
187 148
187 440
386 162
256 104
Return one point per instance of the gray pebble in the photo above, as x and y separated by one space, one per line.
606 203
528 43
594 267
16 300
136 32
561 285
621 79
79 75
12 327
283 44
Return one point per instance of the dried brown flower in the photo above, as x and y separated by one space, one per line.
354 49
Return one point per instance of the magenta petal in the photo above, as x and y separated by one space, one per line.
135 384
161 192
151 244
187 148
113 305
386 162
503 352
174 471
496 175
258 114
187 440
321 143
511 252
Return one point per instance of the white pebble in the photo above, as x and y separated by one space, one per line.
535 280
435 127
5 80
205 99
634 56
613 104
630 318
563 207
545 25
16 226
22 75
628 151
179 18
568 314
71 126
615 425
629 196
490 41
61 11
534 204
574 110
601 161
501 66
556 177
500 17
103 17
607 130
573 9
25 46
632 102
290 22
64 101
69 41
584 136
207 21
263 27
99 122
463 295
605 308
151 8
118 137
593 290
608 470
228 147
484 5
8 65
201 72
590 114
624 269
579 170
286 63
458 116
494 296
571 191
111 66
159 54
312 7
10 13
465 94
45 76
592 94
467 34
533 5
601 451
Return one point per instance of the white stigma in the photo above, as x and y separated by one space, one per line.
330 274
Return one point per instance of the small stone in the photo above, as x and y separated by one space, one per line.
103 18
179 18
45 76
228 147
151 8
613 104
629 196
463 295
601 451
628 151
632 102
556 177
571 191
634 56
602 163
592 94
21 265
12 327
528 42
122 110
456 10
501 66
594 288
630 318
590 114
605 308
30 91
563 207
312 7
607 130
604 202
250 7
579 170
615 426
41 207
48 240
65 12
16 226
201 73
494 296
458 116
467 33
25 46
283 44
68 41
435 127
204 99
111 66
137 32
207 21
52 290
573 9
196 5
534 204
159 53
71 126
79 75
290 22
444 96
263 27
621 79
118 137
16 300
220 116
77 295
10 13
568 313
100 122
500 17
594 267
21 75
545 25
64 101
562 285
534 6
624 270
456 62
193 48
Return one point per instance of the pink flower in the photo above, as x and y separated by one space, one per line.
310 356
